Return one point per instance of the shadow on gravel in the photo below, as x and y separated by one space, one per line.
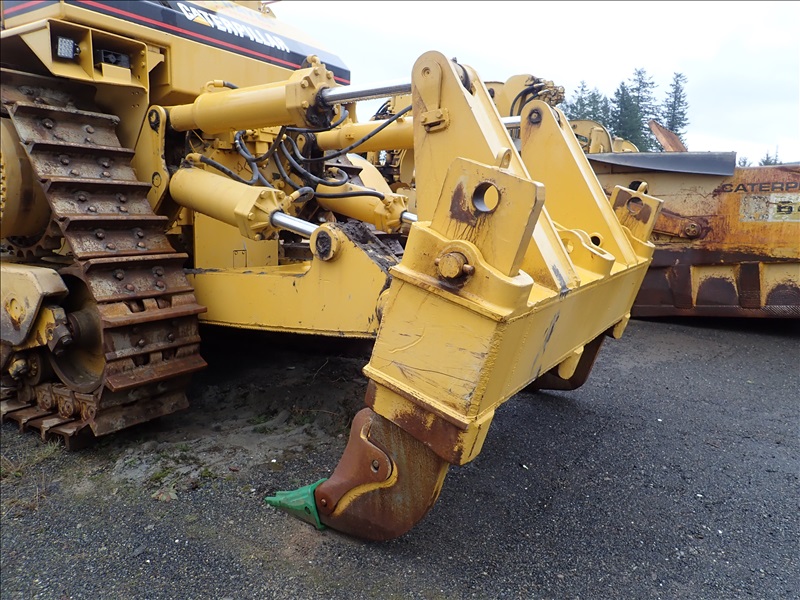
784 328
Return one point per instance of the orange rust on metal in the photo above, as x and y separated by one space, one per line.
637 209
362 462
670 223
437 433
459 208
726 246
419 476
552 381
668 140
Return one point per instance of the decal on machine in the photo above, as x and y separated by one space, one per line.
211 19
772 208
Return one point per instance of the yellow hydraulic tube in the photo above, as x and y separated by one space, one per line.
397 136
384 213
247 207
269 105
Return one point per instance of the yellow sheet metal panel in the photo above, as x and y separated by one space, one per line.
335 297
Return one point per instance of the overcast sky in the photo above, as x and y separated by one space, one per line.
741 59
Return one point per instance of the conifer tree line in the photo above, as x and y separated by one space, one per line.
634 103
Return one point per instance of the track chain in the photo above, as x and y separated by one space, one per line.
130 278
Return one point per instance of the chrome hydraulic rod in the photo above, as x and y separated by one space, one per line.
293 224
357 93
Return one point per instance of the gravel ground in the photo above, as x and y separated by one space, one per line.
673 473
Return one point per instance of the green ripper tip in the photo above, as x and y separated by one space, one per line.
299 503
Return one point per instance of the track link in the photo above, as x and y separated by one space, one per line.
121 269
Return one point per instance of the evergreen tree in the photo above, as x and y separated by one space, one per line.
578 108
588 105
599 108
675 107
743 162
769 159
626 121
640 88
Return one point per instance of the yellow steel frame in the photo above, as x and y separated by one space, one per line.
543 279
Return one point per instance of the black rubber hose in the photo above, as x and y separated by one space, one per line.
338 122
306 174
357 143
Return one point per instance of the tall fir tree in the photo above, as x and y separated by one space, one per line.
675 107
640 87
599 108
578 108
626 119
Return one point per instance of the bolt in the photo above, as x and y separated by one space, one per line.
100 234
453 265
92 209
104 162
106 174
141 343
160 285
122 198
75 172
129 287
119 274
139 233
48 123
158 271
89 129
81 197
535 116
123 209
140 245
691 230
64 159
18 368
171 337
65 340
323 501
111 246
375 465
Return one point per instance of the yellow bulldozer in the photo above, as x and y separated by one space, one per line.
168 164
728 237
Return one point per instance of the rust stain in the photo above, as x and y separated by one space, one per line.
717 291
784 294
459 209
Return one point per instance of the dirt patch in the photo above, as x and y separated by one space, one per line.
265 399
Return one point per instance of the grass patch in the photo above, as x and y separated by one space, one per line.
11 468
160 475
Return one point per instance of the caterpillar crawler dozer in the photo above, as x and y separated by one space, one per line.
167 164
728 237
